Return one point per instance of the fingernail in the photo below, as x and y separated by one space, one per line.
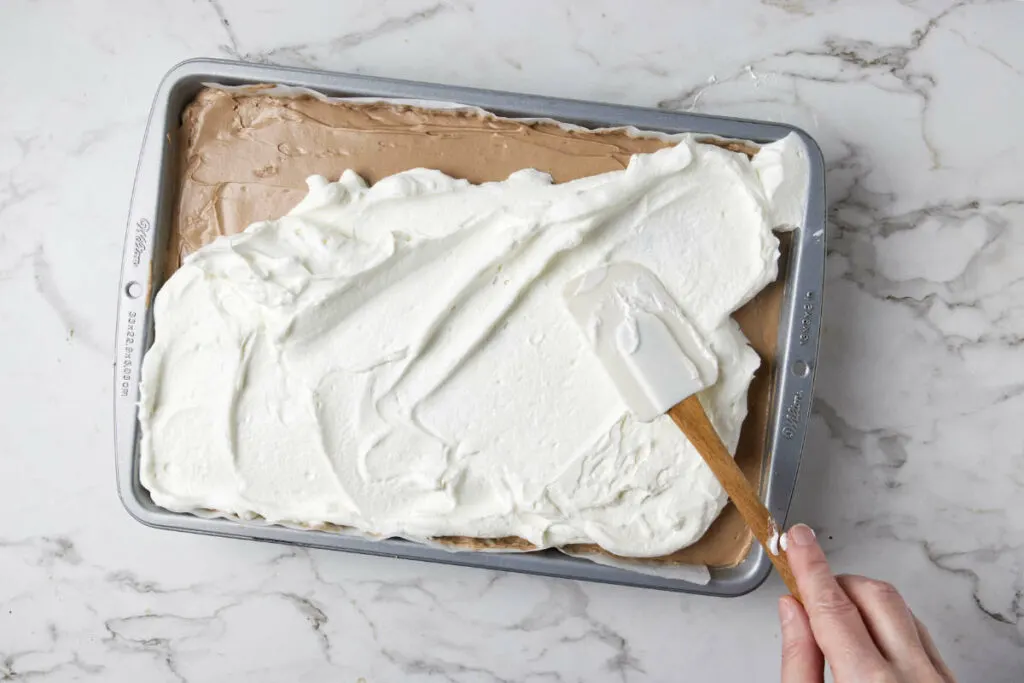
786 612
801 534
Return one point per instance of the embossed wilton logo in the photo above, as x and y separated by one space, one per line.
791 416
141 240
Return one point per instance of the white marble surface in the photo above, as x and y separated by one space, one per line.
914 469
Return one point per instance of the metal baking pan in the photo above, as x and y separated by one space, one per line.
150 220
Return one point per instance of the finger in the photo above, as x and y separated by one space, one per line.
802 661
837 625
933 652
889 622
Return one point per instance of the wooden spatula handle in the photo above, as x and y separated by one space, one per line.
689 415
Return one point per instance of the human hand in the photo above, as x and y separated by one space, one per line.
861 627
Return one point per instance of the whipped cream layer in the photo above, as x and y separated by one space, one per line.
399 359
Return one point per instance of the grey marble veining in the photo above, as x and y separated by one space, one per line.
914 467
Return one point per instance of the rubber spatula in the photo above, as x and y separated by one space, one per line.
659 362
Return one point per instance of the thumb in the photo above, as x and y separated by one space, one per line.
802 661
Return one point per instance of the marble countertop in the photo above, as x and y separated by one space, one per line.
914 467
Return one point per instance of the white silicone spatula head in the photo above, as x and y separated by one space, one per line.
649 349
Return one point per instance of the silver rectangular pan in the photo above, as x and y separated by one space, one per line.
150 221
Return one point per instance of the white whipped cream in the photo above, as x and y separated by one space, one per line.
399 358
774 540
